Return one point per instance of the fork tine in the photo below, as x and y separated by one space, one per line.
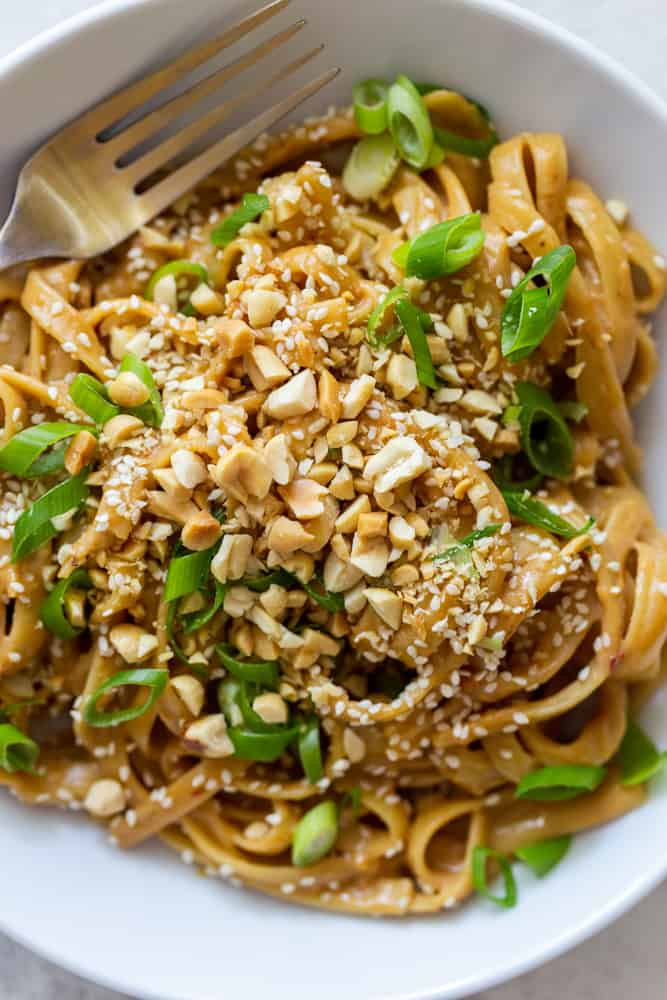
103 116
181 180
179 143
155 120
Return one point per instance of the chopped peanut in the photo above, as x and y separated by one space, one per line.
357 396
201 531
293 399
127 389
243 473
271 708
105 798
120 429
372 525
208 736
354 746
189 468
329 397
231 559
279 459
190 691
370 555
287 536
400 461
264 367
304 498
402 376
264 305
348 520
386 603
133 643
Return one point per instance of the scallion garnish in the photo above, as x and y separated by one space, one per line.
315 834
545 437
150 412
526 508
17 751
503 474
467 543
264 672
53 614
188 571
543 856
326 599
443 249
555 784
263 747
35 525
409 122
369 99
377 316
91 396
155 679
370 166
530 312
252 206
192 621
351 799
639 756
310 752
196 667
467 146
22 454
176 268
480 857
410 318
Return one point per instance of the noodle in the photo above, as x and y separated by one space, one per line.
300 452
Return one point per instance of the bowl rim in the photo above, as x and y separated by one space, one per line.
578 933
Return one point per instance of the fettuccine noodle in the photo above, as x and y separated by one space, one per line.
332 462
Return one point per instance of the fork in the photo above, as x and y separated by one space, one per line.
81 193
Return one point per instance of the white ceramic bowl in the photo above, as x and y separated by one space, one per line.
142 922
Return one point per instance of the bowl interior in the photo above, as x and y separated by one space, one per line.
143 922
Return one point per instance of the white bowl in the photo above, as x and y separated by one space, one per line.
144 923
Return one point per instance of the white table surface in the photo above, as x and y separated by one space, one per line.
629 958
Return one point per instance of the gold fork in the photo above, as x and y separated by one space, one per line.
77 197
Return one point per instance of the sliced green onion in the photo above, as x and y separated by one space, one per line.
195 667
435 157
467 543
572 409
21 453
155 679
310 751
443 249
532 511
252 207
265 672
545 437
370 166
369 99
503 474
91 396
283 578
530 313
258 746
52 612
409 122
35 525
376 317
151 412
325 598
555 784
17 751
543 856
480 856
477 148
192 621
315 834
410 318
229 693
188 571
639 756
177 268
